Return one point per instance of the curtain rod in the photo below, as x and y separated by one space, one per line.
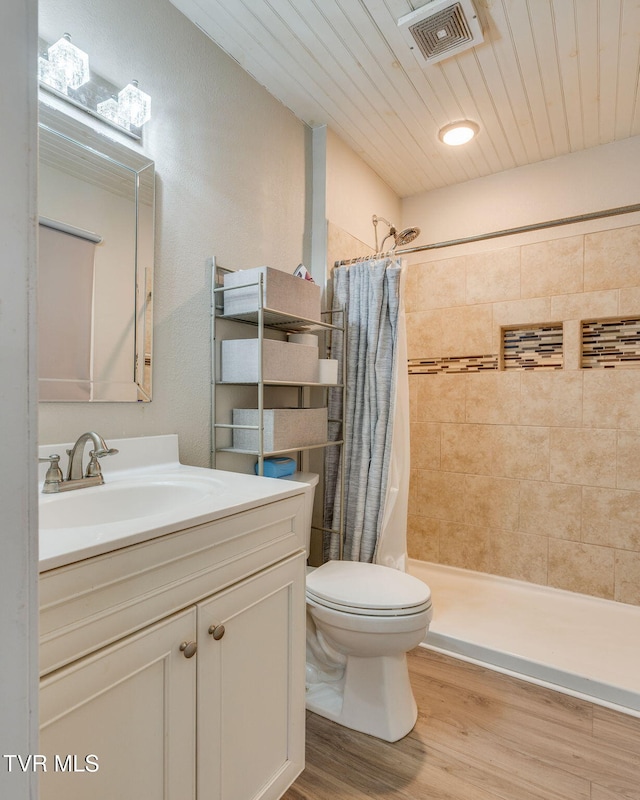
536 226
63 227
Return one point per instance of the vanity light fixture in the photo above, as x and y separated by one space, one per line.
63 70
458 132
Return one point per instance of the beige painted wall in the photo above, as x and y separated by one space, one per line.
354 194
528 474
230 164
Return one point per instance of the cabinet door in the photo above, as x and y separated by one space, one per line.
132 706
251 710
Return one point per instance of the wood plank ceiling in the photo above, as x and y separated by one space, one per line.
551 77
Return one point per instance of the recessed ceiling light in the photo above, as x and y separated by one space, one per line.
458 132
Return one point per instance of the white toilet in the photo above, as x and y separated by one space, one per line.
361 621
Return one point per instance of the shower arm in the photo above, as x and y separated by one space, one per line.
392 229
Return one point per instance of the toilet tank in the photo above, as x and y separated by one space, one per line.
310 479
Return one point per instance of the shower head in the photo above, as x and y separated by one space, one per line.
406 236
399 238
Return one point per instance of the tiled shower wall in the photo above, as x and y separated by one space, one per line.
530 474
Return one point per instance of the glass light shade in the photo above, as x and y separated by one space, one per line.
458 133
70 63
135 105
49 75
110 109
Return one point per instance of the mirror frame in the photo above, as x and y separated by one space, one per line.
76 133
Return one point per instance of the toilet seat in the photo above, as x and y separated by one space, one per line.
367 589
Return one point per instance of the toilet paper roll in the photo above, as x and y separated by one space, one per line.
304 338
327 370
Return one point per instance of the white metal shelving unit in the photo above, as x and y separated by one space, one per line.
261 319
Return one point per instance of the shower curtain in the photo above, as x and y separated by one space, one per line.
376 418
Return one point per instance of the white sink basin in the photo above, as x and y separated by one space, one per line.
125 500
146 493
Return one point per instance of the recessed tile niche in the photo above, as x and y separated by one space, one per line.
533 347
611 343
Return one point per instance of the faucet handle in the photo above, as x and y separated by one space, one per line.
52 459
53 478
93 468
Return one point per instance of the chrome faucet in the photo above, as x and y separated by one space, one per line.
77 477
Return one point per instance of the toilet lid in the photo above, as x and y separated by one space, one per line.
359 588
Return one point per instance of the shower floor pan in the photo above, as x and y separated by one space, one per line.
581 645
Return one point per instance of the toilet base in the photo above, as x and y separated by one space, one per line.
374 696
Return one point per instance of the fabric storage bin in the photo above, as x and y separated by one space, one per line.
282 292
281 361
284 428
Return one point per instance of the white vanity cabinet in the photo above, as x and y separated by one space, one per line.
220 719
250 686
130 709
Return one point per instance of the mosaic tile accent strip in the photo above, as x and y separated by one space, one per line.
611 344
532 348
433 366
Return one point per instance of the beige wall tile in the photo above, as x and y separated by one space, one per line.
583 456
441 398
491 502
467 331
521 556
587 305
439 495
422 538
465 546
493 397
612 259
519 312
571 345
551 398
424 334
414 480
522 312
627 577
582 568
629 302
493 276
521 452
530 474
550 509
438 284
611 398
553 267
628 463
413 396
425 445
467 448
611 517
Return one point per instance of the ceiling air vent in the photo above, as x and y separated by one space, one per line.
442 29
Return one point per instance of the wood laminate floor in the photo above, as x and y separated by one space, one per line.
480 735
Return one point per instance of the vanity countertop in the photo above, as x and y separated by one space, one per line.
147 493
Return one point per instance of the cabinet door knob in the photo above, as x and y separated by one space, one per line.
217 631
188 649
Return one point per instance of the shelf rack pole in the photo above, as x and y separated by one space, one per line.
212 437
260 374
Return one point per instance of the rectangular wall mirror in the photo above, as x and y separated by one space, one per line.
95 265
